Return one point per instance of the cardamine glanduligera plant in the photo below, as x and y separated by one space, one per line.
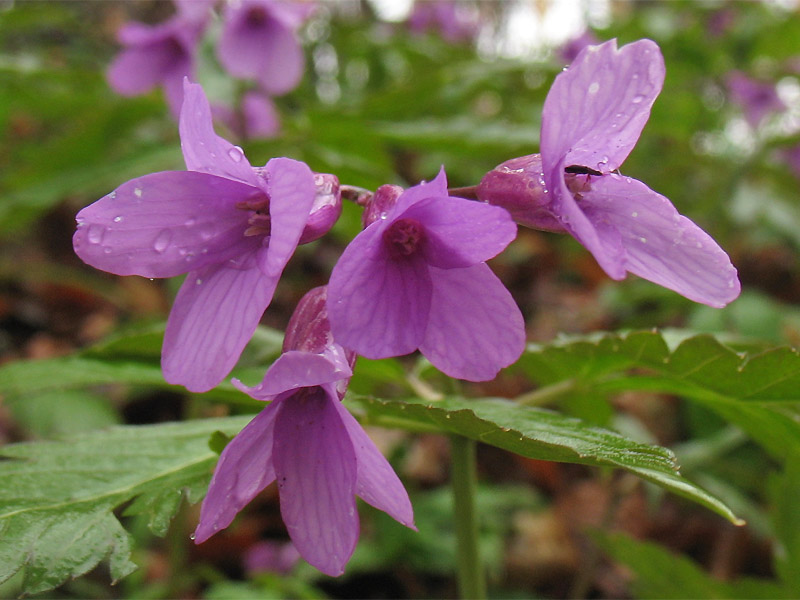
415 278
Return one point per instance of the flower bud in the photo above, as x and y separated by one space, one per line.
384 198
326 208
518 186
309 330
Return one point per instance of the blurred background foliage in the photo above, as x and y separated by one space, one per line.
382 104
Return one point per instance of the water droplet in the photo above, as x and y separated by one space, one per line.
137 192
113 195
383 216
594 87
699 244
96 233
162 240
638 99
206 232
117 219
107 250
236 154
198 281
190 222
192 536
643 240
634 214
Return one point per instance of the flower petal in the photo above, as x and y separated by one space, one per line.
316 470
165 224
244 469
214 315
293 370
461 233
436 188
292 191
377 483
475 328
377 306
596 109
263 48
204 150
660 244
138 70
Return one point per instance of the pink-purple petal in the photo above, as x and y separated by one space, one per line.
245 468
377 483
316 469
203 149
214 315
378 306
435 188
461 233
661 245
292 191
164 224
264 49
474 328
295 369
596 109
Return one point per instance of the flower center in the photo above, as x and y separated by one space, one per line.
256 16
259 221
403 237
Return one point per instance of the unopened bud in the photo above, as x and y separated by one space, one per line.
326 209
309 330
518 186
381 202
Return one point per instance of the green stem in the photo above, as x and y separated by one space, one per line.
471 578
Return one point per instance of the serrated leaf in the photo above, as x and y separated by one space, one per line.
742 387
57 498
541 434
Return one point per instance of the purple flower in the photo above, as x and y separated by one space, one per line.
757 98
417 278
569 51
259 42
257 117
456 21
230 227
592 118
307 441
159 55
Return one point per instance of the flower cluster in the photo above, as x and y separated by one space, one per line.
258 42
415 278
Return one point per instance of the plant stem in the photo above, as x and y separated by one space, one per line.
471 578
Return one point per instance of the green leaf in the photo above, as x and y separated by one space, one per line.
784 491
660 574
63 413
540 434
742 387
57 498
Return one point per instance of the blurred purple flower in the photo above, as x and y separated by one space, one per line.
259 42
455 21
159 54
271 557
307 441
230 227
417 278
756 98
570 50
592 118
257 117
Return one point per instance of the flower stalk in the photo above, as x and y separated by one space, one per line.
471 577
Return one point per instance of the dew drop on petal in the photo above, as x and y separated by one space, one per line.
95 234
643 240
638 99
594 87
137 192
634 214
198 281
162 240
113 195
117 219
192 536
236 154
190 222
